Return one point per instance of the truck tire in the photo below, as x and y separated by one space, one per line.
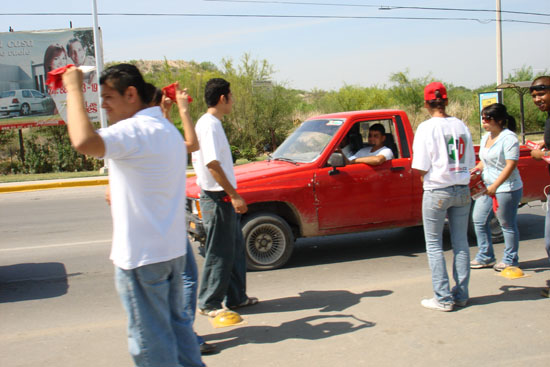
268 241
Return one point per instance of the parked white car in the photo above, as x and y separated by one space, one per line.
24 102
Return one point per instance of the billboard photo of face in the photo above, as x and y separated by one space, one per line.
25 60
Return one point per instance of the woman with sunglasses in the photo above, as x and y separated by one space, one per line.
499 154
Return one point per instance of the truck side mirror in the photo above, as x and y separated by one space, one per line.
336 160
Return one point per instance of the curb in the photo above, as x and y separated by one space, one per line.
20 187
52 185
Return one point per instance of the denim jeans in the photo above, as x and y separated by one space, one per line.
160 332
224 271
190 278
453 202
507 216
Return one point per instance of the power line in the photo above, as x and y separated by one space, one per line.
380 7
277 16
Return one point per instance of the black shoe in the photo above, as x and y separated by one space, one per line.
207 348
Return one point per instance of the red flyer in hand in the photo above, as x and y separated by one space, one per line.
170 92
532 145
477 187
54 80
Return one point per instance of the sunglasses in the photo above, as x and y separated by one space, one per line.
487 118
538 88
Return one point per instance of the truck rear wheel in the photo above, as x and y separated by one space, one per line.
268 241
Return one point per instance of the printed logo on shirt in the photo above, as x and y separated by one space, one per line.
456 148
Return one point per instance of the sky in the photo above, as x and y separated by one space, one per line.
308 47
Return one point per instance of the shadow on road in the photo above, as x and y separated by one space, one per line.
325 301
22 282
536 266
383 243
308 328
357 246
510 293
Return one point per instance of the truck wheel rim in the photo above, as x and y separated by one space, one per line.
266 244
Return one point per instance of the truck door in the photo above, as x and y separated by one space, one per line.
364 195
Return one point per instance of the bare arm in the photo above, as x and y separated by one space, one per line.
190 136
375 160
236 200
538 153
82 134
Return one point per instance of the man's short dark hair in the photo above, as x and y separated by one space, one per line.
214 89
70 44
122 76
378 127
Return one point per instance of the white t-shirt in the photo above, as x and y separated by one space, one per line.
367 152
213 147
443 148
147 161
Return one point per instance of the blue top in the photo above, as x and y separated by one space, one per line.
506 147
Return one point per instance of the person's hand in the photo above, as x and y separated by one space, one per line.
72 79
239 204
165 105
537 154
182 98
108 195
491 190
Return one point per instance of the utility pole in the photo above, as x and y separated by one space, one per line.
499 44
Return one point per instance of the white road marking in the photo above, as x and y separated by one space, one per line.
54 245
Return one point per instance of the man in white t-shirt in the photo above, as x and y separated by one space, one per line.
443 155
147 170
224 272
376 153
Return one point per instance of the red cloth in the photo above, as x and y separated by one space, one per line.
54 80
170 92
495 204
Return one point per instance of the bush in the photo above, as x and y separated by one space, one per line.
37 157
11 167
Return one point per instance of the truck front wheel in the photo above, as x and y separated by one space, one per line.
268 241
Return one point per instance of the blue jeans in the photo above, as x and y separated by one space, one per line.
507 216
190 278
160 332
453 202
224 271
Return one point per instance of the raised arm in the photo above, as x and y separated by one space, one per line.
82 134
190 137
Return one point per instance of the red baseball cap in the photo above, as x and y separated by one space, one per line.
429 91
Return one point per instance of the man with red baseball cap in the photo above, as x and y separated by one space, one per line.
443 156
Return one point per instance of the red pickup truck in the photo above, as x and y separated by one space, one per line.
305 189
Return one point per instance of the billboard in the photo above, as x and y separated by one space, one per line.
25 59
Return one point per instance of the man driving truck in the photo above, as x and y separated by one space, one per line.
374 154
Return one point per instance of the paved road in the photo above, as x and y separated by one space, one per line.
341 301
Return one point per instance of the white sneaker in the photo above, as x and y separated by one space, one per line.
433 304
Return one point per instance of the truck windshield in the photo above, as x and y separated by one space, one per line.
308 142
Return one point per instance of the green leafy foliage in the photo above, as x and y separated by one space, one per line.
265 112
